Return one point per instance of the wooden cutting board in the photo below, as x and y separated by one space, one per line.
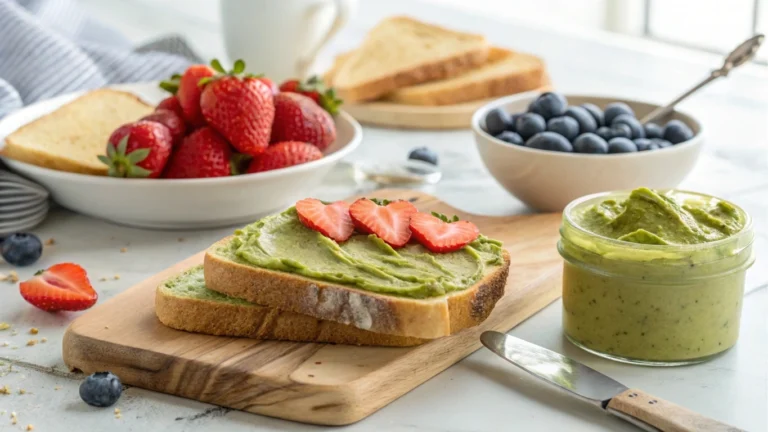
306 382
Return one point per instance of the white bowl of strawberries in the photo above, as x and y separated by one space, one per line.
217 154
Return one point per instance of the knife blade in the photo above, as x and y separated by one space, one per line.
635 406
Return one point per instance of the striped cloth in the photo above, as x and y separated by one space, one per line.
51 47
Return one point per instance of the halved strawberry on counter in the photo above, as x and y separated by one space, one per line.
239 106
298 118
138 149
204 153
331 220
315 89
389 220
62 287
284 154
440 234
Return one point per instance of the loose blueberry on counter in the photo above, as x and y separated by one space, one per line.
621 131
423 154
497 121
590 143
549 105
615 109
652 130
511 137
662 143
587 123
101 389
529 124
595 112
621 145
565 126
21 249
604 132
549 141
632 122
676 132
645 144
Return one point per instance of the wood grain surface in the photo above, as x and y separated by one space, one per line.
664 415
307 382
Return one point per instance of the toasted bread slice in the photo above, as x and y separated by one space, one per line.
427 318
184 303
505 73
400 52
71 138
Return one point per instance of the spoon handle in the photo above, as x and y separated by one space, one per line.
664 110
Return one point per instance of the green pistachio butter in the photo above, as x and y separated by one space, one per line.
280 242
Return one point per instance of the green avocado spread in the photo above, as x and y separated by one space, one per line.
282 243
649 217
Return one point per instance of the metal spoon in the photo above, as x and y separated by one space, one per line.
740 55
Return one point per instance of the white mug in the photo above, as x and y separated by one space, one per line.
281 38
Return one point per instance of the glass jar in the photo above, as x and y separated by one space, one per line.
660 305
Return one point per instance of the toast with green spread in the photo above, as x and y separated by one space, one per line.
361 282
184 303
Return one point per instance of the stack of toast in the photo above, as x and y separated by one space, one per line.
410 62
229 296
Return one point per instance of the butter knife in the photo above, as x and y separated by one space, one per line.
635 406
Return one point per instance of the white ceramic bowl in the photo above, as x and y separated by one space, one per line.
548 180
184 203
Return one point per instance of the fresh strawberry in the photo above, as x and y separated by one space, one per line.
171 103
284 154
190 91
138 149
271 84
440 234
241 108
204 153
172 121
297 118
388 220
315 89
61 287
330 220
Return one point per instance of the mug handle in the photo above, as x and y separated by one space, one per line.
343 10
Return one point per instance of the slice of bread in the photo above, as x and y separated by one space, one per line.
505 73
427 318
400 52
71 138
184 303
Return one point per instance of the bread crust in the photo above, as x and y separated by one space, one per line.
261 322
421 318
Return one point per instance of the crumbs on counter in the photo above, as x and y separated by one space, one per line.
11 277
5 390
123 250
57 388
4 326
116 276
30 427
22 391
43 340
50 242
34 331
103 278
14 419
4 344
32 342
118 414
181 239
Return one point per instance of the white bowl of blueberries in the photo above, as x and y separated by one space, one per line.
548 149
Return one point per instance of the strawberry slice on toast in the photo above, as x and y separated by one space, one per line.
331 220
440 234
388 220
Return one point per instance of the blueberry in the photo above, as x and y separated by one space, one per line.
616 109
621 131
549 105
549 141
511 137
529 124
632 122
645 144
590 143
662 143
423 154
497 121
596 113
101 389
565 126
604 132
21 249
587 123
621 145
676 132
652 130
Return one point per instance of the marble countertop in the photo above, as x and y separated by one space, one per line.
482 392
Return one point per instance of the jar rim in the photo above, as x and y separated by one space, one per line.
746 230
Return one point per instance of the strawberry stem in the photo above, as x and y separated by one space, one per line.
381 202
445 218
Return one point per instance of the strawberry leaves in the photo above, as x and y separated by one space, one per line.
171 85
121 164
445 218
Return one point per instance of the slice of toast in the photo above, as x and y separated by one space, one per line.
505 73
427 318
401 52
184 303
71 137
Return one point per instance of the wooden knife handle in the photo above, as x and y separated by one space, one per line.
664 415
